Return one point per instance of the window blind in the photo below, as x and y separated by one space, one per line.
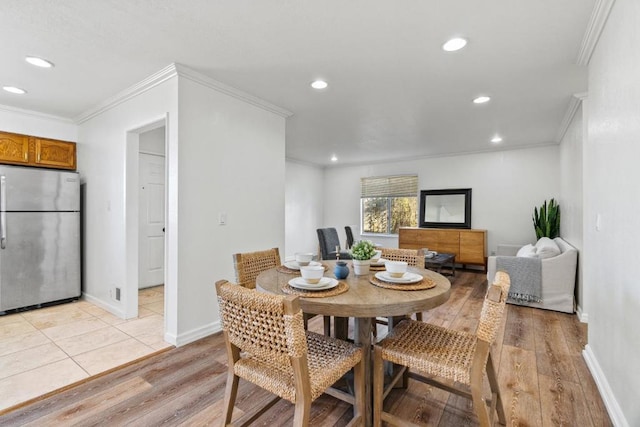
390 186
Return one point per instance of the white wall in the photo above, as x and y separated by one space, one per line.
506 185
37 124
570 199
231 160
304 200
105 162
612 178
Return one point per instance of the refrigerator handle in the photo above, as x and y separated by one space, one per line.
3 209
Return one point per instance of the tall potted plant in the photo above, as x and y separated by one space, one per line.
547 221
361 252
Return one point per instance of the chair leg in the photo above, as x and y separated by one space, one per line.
419 316
301 414
230 394
479 405
378 386
495 390
358 384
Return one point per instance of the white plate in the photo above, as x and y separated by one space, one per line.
324 284
380 263
430 254
407 278
295 266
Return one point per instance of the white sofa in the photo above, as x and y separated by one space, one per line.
558 276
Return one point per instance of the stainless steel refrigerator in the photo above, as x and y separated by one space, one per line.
39 236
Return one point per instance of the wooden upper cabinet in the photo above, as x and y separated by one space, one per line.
14 148
27 150
55 154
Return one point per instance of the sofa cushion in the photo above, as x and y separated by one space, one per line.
546 248
527 251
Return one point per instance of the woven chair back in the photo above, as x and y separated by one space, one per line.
248 265
409 255
259 324
493 309
503 280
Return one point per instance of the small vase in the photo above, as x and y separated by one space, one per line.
361 267
341 271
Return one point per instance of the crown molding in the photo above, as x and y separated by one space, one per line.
207 81
594 29
167 73
304 163
441 155
35 114
150 82
574 104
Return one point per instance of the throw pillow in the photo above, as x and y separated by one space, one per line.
527 251
547 248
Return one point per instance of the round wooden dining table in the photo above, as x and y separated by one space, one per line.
363 301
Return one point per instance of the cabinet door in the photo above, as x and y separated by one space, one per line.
443 241
14 148
472 247
55 154
410 238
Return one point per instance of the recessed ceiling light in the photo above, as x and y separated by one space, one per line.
482 99
319 84
14 89
334 158
38 62
454 44
496 139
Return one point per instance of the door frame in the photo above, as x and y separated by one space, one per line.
131 259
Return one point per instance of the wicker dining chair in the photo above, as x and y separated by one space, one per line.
249 265
454 361
268 346
410 256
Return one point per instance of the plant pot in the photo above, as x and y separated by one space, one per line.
361 267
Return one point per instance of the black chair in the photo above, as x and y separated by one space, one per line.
328 240
347 230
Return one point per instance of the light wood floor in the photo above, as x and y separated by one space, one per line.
542 376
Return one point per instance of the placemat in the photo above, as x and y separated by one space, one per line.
425 283
287 270
340 289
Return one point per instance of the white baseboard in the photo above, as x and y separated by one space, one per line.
115 310
582 316
193 335
617 417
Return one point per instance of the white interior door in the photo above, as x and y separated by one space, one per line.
151 221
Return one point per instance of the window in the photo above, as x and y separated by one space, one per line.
388 203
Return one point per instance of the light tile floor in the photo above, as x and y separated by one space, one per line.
49 348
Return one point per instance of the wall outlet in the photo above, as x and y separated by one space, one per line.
117 294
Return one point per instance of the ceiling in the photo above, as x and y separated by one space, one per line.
393 92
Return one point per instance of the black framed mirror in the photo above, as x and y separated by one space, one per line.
445 208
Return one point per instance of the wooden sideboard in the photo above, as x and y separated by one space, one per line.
17 149
469 246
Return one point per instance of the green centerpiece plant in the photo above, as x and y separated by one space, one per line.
547 221
361 252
